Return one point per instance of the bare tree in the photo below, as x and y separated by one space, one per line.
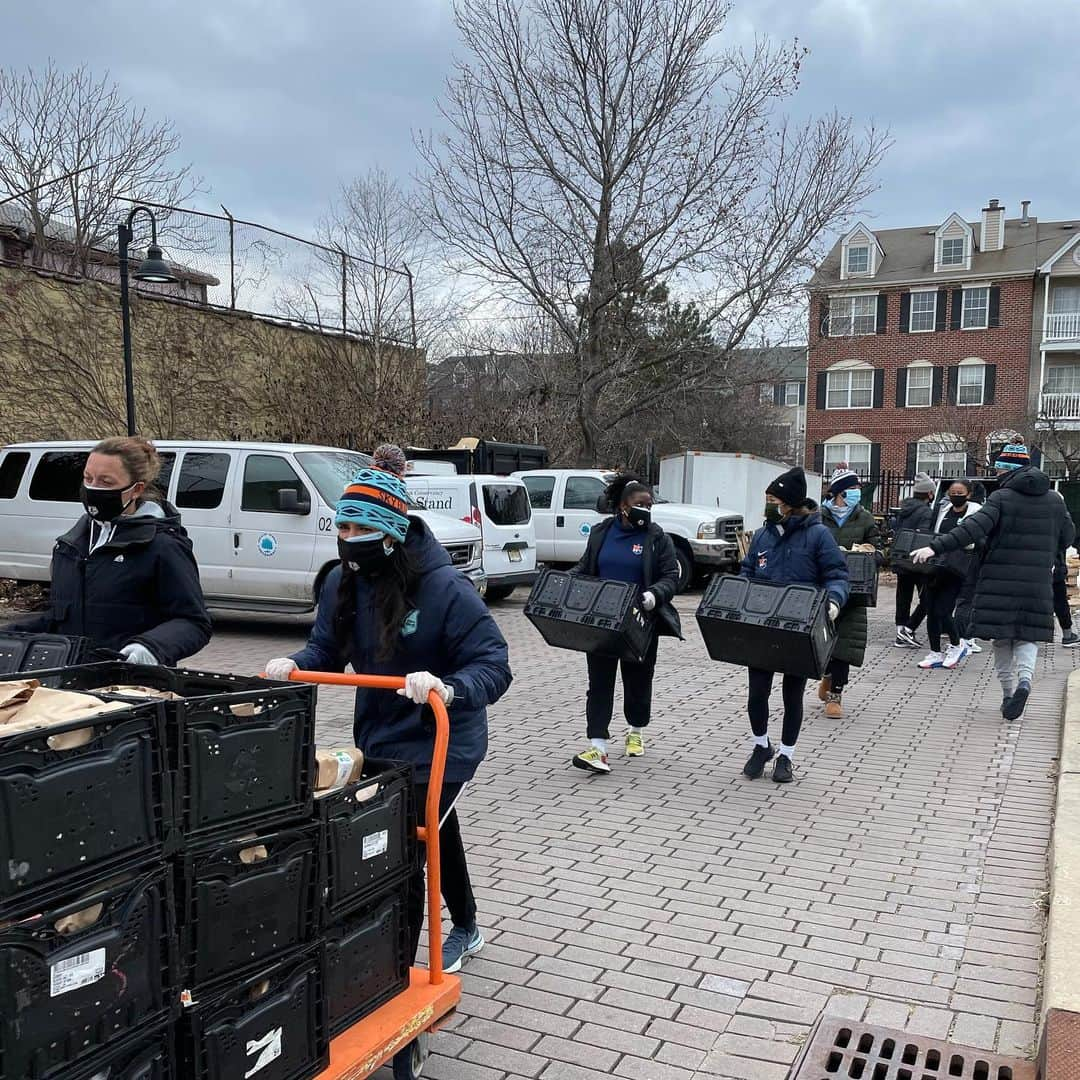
1057 438
597 147
54 123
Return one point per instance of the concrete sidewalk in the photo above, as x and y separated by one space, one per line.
674 920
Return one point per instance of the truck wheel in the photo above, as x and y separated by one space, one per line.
498 592
701 579
686 569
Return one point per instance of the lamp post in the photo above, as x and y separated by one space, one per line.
152 268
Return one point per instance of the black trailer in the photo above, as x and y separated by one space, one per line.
487 457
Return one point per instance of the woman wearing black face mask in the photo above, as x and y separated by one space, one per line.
396 606
628 547
125 576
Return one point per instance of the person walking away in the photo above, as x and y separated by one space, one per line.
916 513
396 606
854 529
1062 611
125 576
630 547
793 547
943 590
1023 526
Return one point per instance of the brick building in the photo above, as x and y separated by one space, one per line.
926 344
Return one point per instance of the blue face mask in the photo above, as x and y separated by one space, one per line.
853 496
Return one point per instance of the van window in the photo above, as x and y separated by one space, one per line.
168 462
507 504
331 471
541 489
264 476
202 481
58 476
11 473
582 492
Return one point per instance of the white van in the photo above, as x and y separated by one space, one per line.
499 506
260 515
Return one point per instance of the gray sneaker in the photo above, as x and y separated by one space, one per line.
459 945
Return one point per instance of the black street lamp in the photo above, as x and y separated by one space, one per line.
152 268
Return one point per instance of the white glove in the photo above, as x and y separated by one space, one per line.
834 610
922 555
648 601
138 654
420 683
280 669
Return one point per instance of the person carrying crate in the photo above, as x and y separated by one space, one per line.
854 529
396 606
628 547
793 547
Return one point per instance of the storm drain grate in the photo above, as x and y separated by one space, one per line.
846 1048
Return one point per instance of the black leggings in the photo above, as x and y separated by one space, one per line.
906 584
1061 606
637 682
838 672
941 596
757 704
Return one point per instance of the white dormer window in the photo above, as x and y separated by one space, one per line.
954 242
952 252
860 255
858 259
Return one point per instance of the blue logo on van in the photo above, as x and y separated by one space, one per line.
268 544
585 529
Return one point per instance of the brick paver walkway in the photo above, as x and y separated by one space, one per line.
674 920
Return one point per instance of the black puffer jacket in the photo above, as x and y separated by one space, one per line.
917 514
140 587
1023 525
852 628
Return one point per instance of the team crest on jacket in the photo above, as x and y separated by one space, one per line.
762 560
412 621
638 549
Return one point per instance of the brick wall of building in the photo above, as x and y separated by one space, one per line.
1008 346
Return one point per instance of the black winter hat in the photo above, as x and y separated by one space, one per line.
789 488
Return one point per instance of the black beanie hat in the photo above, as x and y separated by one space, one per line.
789 488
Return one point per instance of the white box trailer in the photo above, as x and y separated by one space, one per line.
735 481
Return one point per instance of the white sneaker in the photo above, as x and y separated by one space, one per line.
954 655
932 660
973 646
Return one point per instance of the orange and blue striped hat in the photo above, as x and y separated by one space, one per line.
378 500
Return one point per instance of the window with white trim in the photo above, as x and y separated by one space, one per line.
1065 299
970 384
920 387
923 311
791 393
852 315
858 259
941 456
850 389
856 456
976 308
767 393
1063 379
953 251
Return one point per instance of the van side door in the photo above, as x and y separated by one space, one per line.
202 490
577 515
542 495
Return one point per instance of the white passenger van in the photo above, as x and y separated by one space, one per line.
499 506
260 515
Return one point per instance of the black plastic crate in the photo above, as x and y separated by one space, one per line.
862 578
590 615
369 836
759 624
904 543
147 1057
367 958
269 1026
32 652
69 816
67 994
229 771
236 915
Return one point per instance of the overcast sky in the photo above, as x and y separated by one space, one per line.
279 102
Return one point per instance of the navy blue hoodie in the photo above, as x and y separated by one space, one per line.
449 632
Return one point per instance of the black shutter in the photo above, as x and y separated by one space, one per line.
989 384
954 378
882 313
912 458
823 325
941 321
957 308
875 461
822 387
901 388
879 388
819 457
972 466
905 312
935 393
994 314
1036 457
778 393
802 391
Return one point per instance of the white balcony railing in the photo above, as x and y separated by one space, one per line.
1059 406
1063 326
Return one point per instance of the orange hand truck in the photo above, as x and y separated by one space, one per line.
431 995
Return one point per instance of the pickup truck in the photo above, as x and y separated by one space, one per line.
564 503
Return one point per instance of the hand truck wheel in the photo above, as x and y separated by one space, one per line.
409 1063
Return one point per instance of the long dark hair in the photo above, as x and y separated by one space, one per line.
616 491
393 591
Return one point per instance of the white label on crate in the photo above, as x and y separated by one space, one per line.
344 767
76 971
268 1048
376 844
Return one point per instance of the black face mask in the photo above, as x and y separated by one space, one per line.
958 500
104 504
638 517
366 556
772 514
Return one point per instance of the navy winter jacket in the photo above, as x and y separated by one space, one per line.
800 551
449 632
142 586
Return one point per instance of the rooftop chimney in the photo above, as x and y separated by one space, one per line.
992 236
1025 221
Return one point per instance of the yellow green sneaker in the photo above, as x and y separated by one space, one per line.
592 760
635 743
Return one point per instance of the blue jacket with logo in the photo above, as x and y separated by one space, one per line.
800 551
449 632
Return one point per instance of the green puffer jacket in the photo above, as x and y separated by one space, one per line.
859 528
